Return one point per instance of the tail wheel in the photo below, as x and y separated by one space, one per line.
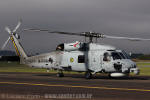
88 75
60 74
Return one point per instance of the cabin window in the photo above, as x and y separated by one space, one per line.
81 59
51 60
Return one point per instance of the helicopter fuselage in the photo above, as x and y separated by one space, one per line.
84 57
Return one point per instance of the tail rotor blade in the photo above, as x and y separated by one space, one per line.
8 30
18 25
6 42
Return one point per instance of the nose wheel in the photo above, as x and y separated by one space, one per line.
88 75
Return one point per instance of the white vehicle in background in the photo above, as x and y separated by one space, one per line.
88 57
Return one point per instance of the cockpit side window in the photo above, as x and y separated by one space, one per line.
106 56
115 55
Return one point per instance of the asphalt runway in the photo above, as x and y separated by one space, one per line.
45 86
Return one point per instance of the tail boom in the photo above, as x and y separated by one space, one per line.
12 39
19 49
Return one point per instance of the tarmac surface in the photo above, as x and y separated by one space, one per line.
45 86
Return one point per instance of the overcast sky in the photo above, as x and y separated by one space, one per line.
129 18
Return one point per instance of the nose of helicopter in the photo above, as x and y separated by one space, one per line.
131 65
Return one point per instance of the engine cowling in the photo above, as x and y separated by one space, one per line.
72 46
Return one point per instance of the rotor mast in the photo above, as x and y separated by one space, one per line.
92 35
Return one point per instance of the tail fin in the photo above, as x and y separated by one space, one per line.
19 49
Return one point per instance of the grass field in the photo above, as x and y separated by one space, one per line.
144 68
16 67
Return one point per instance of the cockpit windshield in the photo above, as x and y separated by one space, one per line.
127 56
119 55
116 55
122 55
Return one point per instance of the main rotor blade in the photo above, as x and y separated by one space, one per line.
6 42
67 33
88 34
126 38
8 30
18 25
57 32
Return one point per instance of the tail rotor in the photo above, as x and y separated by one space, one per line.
16 28
6 42
8 30
11 33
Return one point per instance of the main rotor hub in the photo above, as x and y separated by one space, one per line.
92 35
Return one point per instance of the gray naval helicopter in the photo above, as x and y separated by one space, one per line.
88 57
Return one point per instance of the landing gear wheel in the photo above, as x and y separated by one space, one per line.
88 75
109 76
60 75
